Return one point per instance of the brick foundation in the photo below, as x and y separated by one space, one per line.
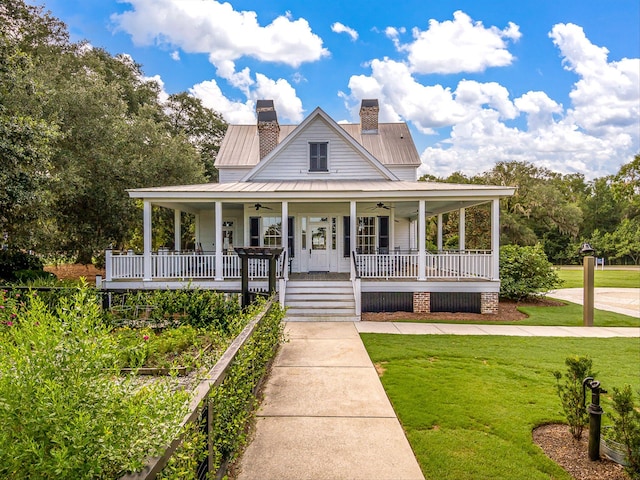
422 302
489 303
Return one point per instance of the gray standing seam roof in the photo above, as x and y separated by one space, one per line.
392 145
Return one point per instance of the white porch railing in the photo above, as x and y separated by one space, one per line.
394 265
443 265
164 265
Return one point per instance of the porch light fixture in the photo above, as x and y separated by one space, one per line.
586 249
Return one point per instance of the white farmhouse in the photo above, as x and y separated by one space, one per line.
343 203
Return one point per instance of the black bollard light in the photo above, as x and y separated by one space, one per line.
595 415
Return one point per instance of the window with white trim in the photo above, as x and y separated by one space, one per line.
366 235
271 231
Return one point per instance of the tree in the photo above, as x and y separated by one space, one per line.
203 127
70 155
26 137
626 188
623 242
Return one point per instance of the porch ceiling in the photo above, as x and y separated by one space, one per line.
399 209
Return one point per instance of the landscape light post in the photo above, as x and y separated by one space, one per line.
595 414
587 298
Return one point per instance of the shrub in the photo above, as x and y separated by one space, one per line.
525 272
63 414
235 399
626 427
34 276
196 307
571 394
13 260
232 403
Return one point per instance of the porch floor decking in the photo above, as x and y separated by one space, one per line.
318 276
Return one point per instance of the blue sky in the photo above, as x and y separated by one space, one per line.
554 83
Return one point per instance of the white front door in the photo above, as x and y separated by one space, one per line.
319 250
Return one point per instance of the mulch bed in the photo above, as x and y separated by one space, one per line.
572 455
75 271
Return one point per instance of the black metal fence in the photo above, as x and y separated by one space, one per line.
200 410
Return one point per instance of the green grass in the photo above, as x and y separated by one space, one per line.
619 278
469 404
570 315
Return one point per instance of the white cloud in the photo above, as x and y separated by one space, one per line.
338 27
298 77
232 111
480 124
288 105
539 109
458 46
476 145
606 99
473 96
175 55
208 26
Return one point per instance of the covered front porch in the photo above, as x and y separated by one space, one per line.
380 235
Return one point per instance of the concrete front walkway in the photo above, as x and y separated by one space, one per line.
325 414
619 300
509 330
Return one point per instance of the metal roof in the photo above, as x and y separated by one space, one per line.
392 145
325 188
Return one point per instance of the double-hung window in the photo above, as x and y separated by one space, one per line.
318 157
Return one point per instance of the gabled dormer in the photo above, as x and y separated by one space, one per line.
317 149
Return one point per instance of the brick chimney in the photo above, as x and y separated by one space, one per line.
369 110
268 127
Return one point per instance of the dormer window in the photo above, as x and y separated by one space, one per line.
318 157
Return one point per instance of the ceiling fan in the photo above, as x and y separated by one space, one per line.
381 205
259 206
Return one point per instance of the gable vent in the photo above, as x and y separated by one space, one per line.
369 110
268 127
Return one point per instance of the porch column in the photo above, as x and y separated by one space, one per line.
461 230
439 240
284 239
353 225
147 245
197 230
352 235
219 274
177 230
495 239
422 238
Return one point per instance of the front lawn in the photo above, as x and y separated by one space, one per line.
618 278
469 404
570 315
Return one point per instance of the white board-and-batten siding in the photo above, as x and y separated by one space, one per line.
404 173
344 162
227 175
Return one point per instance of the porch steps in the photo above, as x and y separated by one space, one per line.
317 301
